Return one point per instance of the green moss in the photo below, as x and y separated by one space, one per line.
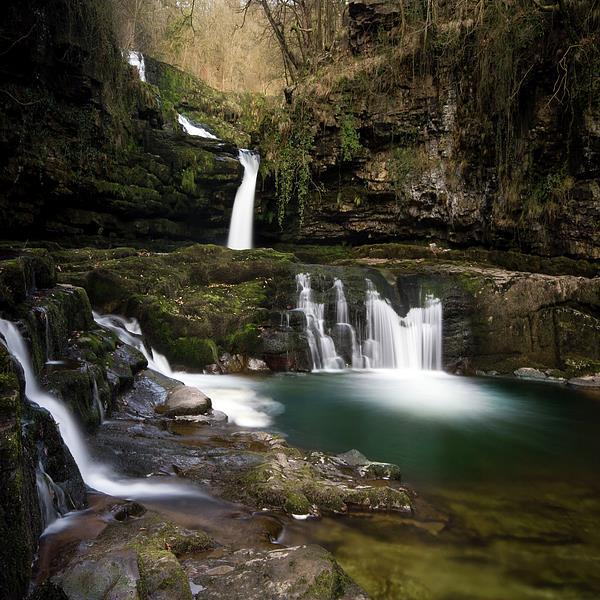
350 145
188 180
194 352
330 584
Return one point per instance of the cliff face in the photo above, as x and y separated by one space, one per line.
87 151
403 150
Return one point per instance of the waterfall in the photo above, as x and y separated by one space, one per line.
130 332
341 305
97 400
390 341
95 475
243 405
322 347
242 216
136 59
51 497
412 342
194 130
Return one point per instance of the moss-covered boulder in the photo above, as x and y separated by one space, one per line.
134 558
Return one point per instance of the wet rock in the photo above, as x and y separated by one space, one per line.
529 373
133 559
299 572
185 400
369 469
212 417
256 365
591 381
127 510
266 473
116 576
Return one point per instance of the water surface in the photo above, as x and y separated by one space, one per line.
511 466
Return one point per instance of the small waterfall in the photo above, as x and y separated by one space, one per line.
242 216
341 305
136 59
43 312
96 476
97 400
390 341
51 497
412 342
130 332
322 347
194 130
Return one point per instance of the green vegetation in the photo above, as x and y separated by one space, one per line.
349 136
287 145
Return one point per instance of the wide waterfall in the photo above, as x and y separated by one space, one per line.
242 216
388 340
194 130
412 342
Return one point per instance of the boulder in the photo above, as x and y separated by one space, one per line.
591 381
529 373
185 400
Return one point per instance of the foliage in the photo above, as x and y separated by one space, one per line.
406 165
288 135
547 195
350 145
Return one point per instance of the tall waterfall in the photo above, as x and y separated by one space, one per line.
194 130
390 341
242 216
136 59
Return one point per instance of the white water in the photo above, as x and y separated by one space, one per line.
51 497
229 394
136 59
95 475
322 347
242 216
413 342
391 342
194 130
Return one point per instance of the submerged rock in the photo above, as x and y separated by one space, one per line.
299 572
591 381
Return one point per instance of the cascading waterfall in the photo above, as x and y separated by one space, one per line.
51 497
345 330
243 405
390 341
322 347
194 130
242 216
95 475
136 59
412 342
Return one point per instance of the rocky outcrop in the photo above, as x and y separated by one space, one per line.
502 310
403 149
85 367
89 152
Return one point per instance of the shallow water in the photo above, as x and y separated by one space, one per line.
511 466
